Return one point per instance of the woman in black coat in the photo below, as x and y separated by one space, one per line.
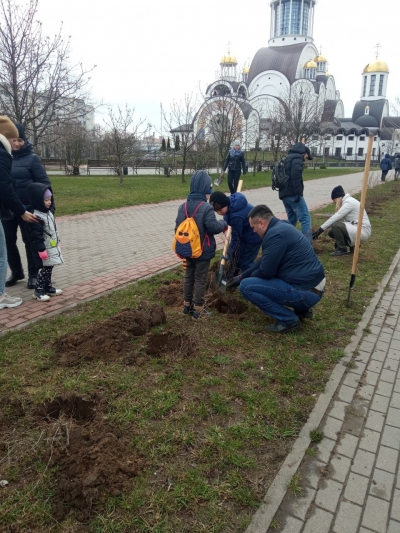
235 162
26 168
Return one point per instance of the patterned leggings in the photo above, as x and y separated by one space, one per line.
44 278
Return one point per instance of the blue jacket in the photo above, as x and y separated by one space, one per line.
205 218
294 164
27 168
386 163
238 218
287 255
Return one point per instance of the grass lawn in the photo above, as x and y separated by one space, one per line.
75 195
111 426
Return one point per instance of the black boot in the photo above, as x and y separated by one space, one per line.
31 282
14 278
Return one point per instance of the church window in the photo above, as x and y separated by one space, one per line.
338 152
326 151
362 138
328 138
351 138
380 91
315 137
306 14
365 86
313 151
339 138
296 16
349 151
373 152
360 151
372 86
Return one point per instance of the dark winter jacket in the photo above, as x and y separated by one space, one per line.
287 255
238 218
7 193
27 168
235 163
294 164
205 216
397 163
386 163
43 236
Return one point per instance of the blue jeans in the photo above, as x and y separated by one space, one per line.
3 260
274 296
298 211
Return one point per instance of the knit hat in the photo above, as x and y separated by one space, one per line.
338 192
21 131
7 128
236 143
219 200
47 194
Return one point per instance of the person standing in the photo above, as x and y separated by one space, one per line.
26 168
292 194
343 224
397 166
288 280
235 163
10 200
386 165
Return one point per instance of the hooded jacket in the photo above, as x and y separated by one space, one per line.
43 236
205 218
238 218
386 163
7 193
27 168
294 164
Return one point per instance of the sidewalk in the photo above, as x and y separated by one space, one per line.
350 482
108 249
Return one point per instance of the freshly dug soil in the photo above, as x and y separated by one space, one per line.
159 344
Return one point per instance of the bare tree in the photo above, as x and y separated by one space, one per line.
38 85
73 145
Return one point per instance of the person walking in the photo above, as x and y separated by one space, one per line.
288 280
292 194
236 163
9 200
26 168
396 166
386 165
343 224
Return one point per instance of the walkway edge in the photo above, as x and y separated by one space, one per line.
278 488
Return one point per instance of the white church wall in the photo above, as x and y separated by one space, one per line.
331 88
339 111
309 53
270 82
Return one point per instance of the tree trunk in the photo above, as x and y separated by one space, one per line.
75 170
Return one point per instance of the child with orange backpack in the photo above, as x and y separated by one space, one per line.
195 227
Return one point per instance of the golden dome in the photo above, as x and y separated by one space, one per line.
228 60
310 64
376 66
246 70
328 74
320 59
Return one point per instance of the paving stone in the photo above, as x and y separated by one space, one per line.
397 385
363 463
348 445
387 459
325 449
395 514
319 522
359 367
394 354
366 392
393 417
376 514
384 388
391 437
375 366
292 525
371 378
346 394
312 474
395 401
379 355
394 527
328 495
347 518
301 504
380 403
352 380
338 410
391 364
382 484
363 357
369 440
339 467
356 488
332 427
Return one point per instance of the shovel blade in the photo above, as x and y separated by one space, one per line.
217 182
219 282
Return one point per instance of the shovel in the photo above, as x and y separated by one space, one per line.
218 181
219 281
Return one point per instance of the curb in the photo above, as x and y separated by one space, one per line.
278 488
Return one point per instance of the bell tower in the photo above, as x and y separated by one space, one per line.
292 22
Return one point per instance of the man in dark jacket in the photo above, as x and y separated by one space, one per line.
245 244
288 275
386 165
235 163
26 168
196 205
396 166
292 195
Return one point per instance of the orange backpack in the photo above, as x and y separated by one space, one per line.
187 243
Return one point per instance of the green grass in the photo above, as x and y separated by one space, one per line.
75 195
205 425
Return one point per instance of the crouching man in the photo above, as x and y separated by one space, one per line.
288 279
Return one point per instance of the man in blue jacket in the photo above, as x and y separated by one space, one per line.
386 165
288 280
235 210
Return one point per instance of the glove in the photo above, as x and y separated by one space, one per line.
234 282
222 175
226 257
297 199
43 255
317 233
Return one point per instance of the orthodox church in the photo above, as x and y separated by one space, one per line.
291 60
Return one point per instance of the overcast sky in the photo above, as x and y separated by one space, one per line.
154 51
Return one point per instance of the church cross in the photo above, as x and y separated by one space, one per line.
377 46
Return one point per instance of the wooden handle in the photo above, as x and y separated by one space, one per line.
229 232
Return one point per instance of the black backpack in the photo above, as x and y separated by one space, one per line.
279 176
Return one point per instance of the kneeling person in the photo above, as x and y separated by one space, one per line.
288 279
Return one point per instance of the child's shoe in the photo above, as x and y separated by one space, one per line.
201 312
187 308
40 296
52 291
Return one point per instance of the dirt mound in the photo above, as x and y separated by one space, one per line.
171 292
73 407
169 343
98 461
109 339
229 306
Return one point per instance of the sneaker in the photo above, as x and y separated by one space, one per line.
41 296
338 252
52 291
201 312
7 301
282 328
305 314
188 309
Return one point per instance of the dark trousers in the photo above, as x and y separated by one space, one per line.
14 259
338 231
384 174
44 278
233 180
194 284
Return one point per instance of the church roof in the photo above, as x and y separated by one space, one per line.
183 128
283 59
389 125
329 110
374 118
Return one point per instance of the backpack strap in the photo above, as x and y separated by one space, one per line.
195 211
